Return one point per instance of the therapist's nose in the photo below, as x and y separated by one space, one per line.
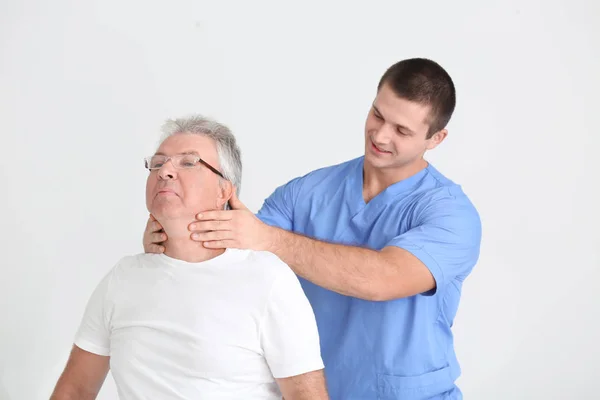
383 134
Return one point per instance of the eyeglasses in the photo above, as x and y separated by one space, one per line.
180 161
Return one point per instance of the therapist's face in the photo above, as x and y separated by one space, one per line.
180 193
396 131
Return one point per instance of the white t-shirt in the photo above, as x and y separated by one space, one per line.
219 329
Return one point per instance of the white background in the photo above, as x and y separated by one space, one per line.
84 87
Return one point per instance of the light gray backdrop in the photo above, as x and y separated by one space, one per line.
84 87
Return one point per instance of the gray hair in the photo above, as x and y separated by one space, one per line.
230 157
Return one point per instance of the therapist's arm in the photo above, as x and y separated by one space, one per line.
82 377
353 271
447 239
443 245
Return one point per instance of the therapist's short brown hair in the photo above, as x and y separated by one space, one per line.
423 81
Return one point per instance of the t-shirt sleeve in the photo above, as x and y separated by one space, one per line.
289 334
93 334
278 209
446 239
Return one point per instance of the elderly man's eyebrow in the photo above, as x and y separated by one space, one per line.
193 152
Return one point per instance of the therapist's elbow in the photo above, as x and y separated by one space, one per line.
391 289
376 291
400 275
381 295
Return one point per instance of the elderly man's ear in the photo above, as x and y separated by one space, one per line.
225 194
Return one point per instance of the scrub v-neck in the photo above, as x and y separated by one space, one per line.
382 199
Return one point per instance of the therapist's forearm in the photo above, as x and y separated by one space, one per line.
348 270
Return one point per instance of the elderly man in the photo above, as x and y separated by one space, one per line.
196 323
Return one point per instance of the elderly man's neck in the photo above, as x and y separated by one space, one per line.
180 245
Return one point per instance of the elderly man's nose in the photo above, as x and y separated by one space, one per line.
167 171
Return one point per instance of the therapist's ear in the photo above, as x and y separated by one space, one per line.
436 139
225 193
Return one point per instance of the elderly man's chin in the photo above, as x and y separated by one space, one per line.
169 212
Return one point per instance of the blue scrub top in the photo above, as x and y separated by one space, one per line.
398 349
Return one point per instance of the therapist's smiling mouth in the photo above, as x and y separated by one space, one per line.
378 150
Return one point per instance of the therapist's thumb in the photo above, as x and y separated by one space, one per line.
235 203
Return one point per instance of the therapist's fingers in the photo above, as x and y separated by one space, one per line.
235 203
153 236
218 215
221 244
210 236
212 225
154 226
158 237
155 248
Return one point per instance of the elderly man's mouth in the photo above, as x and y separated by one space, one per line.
166 192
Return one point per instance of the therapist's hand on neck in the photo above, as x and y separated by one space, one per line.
216 229
236 228
172 238
154 237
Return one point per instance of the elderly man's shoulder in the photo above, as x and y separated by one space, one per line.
140 260
259 266
260 263
133 263
268 269
267 261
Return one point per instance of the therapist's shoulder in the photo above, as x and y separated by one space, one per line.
444 196
278 208
325 175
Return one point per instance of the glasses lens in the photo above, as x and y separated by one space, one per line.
187 161
156 161
183 161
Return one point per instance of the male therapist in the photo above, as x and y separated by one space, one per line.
381 244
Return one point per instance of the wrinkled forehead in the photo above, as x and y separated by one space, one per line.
190 143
